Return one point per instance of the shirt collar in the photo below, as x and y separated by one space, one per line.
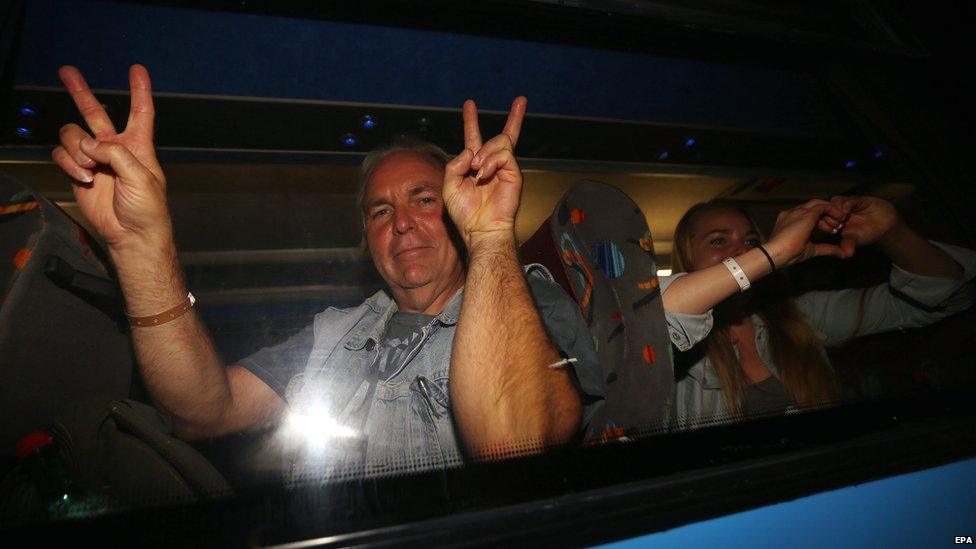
759 324
452 311
382 305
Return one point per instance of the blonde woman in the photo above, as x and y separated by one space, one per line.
749 348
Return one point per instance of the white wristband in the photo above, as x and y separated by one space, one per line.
737 273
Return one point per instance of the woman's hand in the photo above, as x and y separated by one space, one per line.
866 220
790 241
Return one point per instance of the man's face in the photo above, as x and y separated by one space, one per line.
404 212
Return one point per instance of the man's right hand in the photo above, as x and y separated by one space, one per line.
483 206
118 182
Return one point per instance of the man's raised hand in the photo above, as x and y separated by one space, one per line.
482 185
119 184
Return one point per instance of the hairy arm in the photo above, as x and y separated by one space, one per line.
504 395
121 189
177 360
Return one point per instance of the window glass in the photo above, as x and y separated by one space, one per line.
326 343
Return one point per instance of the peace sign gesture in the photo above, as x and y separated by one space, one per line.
484 203
118 182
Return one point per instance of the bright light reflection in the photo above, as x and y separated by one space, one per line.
316 426
664 272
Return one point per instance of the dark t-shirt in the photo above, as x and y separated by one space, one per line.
403 336
767 396
278 365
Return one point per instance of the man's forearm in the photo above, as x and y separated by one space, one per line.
502 391
177 360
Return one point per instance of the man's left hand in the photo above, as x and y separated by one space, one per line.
867 220
482 185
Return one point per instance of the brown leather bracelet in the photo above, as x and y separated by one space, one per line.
165 316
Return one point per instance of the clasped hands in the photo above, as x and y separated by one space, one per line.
858 220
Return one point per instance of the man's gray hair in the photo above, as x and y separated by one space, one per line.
375 157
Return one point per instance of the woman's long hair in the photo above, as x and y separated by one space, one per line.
794 347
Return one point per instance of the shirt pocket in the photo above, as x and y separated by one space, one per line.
436 401
409 426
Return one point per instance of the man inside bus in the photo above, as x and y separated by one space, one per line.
459 359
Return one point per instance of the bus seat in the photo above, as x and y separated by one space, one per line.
63 334
599 248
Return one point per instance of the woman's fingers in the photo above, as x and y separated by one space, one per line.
813 203
848 244
845 203
808 215
69 166
793 229
827 226
818 214
831 225
824 208
89 107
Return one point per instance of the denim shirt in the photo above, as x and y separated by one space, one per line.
409 425
906 301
